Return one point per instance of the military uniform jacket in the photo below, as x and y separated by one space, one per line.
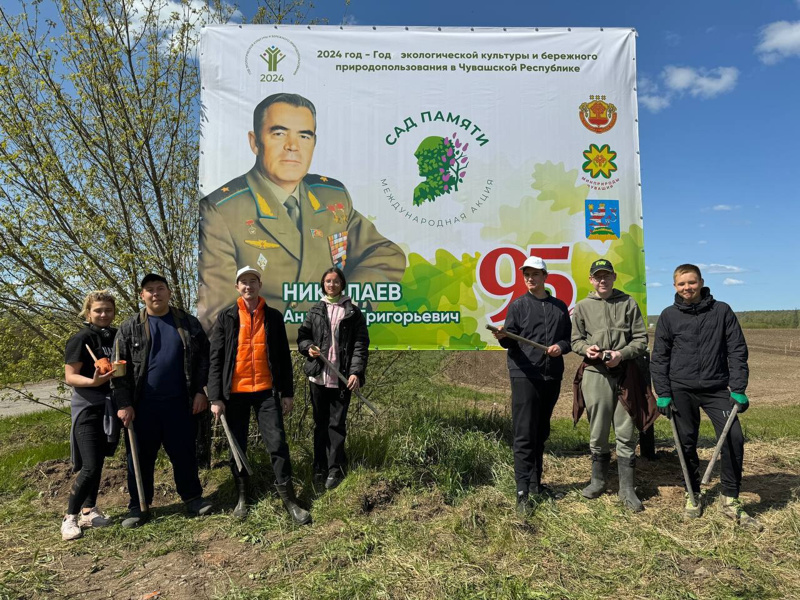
242 223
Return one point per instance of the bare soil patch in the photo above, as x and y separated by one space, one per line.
220 560
774 370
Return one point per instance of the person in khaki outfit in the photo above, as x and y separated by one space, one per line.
288 223
607 329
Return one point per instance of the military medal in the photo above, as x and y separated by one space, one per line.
338 212
338 244
263 244
316 233
262 261
250 226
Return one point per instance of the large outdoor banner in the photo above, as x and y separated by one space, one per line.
426 163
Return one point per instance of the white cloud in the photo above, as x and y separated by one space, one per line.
718 268
732 281
702 241
722 207
677 81
349 20
779 40
655 284
703 83
173 16
654 103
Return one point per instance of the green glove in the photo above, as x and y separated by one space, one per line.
741 400
663 405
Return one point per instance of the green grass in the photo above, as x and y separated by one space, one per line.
426 511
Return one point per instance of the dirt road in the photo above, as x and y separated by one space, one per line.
13 403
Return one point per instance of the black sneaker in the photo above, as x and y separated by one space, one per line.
523 507
199 507
545 491
135 518
335 477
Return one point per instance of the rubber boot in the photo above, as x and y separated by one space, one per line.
600 464
286 493
240 511
627 493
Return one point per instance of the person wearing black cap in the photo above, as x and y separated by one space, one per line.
251 370
608 331
535 374
166 351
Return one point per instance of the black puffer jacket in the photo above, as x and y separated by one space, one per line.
699 347
225 345
545 321
352 335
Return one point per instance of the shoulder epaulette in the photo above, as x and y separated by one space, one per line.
321 180
230 190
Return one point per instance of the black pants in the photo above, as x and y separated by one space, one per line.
717 405
269 416
532 403
92 445
330 426
168 422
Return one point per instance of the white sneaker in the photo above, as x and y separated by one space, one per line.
93 518
70 529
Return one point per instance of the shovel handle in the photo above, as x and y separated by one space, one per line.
517 338
681 458
343 379
137 470
228 435
722 437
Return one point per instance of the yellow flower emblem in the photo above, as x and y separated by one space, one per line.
599 161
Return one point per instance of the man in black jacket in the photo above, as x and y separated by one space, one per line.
251 369
700 361
167 368
535 374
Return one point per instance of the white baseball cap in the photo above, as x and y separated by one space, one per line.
245 271
534 262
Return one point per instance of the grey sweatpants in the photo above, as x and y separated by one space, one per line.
603 409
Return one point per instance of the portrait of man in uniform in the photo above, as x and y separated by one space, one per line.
291 224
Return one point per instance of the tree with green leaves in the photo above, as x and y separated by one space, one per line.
99 137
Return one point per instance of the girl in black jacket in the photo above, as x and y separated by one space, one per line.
335 327
95 428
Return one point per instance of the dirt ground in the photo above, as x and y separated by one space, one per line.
774 370
220 560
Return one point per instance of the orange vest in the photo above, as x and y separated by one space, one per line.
251 372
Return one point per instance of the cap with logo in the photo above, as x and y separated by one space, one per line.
246 270
534 262
601 265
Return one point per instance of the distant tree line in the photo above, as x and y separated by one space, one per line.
759 319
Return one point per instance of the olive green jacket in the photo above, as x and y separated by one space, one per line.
242 223
612 324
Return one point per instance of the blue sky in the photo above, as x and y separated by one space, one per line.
719 90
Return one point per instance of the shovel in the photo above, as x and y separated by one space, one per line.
684 468
238 456
343 379
137 470
722 437
518 338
